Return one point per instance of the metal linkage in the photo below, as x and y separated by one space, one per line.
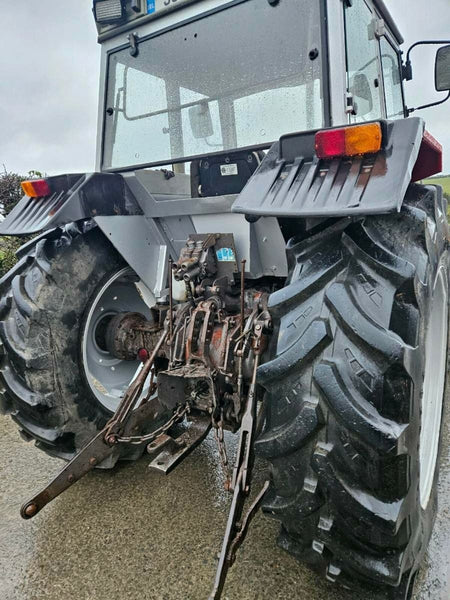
169 451
94 453
237 526
126 420
115 424
212 346
220 440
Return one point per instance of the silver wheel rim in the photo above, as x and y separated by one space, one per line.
433 387
108 377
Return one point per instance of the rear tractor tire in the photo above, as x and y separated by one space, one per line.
59 382
355 391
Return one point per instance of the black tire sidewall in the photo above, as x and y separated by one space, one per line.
306 442
107 262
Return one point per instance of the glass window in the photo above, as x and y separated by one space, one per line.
300 102
392 81
363 62
239 77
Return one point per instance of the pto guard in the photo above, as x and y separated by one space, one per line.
73 198
292 182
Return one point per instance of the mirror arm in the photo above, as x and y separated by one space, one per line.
407 67
411 110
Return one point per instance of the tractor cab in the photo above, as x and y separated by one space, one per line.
183 81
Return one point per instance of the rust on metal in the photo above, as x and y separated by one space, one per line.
243 263
170 300
129 333
237 526
31 510
208 350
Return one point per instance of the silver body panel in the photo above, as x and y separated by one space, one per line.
147 247
142 246
169 216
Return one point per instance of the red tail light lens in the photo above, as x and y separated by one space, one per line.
349 141
330 143
37 188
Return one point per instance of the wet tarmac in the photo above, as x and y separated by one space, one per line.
135 535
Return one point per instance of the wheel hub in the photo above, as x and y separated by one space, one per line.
107 373
124 335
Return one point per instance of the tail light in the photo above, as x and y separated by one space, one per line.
37 188
349 141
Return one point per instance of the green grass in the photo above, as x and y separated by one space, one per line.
443 181
8 248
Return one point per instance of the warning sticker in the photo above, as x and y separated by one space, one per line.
226 170
225 255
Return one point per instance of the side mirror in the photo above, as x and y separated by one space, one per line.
442 70
360 88
201 121
442 73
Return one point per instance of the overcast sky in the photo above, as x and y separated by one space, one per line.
49 74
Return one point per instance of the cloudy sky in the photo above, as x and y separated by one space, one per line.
50 69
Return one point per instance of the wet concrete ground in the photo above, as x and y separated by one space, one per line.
131 534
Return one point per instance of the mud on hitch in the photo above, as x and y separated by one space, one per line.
200 354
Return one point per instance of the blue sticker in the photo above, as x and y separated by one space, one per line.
151 6
225 255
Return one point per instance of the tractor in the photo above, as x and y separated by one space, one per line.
255 253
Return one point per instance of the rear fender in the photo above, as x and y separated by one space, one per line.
73 198
293 182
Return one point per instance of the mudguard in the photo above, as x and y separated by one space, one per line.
292 182
74 197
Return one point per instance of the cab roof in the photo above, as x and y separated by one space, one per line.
137 20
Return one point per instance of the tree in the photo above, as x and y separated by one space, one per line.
10 190
10 194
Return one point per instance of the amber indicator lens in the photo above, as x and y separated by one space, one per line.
37 188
